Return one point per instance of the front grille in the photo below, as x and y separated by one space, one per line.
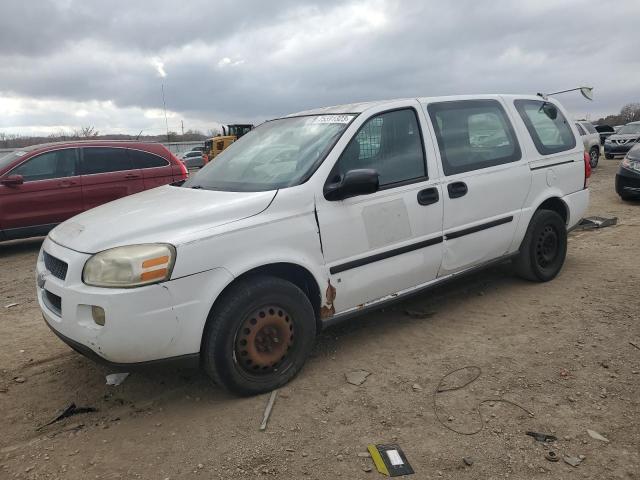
57 267
54 302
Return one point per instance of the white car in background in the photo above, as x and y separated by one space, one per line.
590 140
350 208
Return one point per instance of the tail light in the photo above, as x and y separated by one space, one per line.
587 168
183 169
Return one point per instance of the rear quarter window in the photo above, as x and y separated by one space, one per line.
548 127
142 159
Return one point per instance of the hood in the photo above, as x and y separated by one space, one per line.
161 215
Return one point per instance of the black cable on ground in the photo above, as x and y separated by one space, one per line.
478 370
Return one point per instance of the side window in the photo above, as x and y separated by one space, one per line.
104 160
590 128
580 129
389 143
473 134
49 165
547 126
142 159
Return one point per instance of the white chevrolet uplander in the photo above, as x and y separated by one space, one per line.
308 220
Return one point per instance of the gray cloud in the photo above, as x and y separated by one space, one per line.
229 61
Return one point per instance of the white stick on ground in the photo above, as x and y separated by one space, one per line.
267 411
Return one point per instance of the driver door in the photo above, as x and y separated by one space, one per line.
391 240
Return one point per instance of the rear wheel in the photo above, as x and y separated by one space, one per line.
594 155
258 335
544 247
608 156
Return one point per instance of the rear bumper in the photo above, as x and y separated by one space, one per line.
577 204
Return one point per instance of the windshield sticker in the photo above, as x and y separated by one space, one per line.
332 119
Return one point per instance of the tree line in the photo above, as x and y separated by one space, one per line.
16 140
629 113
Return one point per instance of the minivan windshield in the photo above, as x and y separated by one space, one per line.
277 154
629 128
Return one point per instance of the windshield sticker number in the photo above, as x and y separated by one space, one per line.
332 119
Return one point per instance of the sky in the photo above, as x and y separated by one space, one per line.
66 64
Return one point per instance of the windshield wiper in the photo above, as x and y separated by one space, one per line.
196 187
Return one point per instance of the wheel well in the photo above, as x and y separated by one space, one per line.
556 205
299 276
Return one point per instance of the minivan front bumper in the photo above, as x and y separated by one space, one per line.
144 324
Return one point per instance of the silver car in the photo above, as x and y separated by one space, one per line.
591 140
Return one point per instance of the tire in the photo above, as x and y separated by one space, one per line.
543 249
243 340
594 155
608 156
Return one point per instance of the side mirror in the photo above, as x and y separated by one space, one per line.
353 183
550 110
12 180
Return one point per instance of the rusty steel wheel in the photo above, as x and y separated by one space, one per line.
258 335
264 339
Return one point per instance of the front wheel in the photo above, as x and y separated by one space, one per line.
543 249
594 155
258 335
608 156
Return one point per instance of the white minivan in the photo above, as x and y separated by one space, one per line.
309 220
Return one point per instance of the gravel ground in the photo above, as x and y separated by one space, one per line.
561 350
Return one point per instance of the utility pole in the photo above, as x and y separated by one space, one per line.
165 113
182 123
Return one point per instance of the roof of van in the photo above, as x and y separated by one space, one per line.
362 106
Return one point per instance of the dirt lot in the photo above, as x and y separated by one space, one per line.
562 350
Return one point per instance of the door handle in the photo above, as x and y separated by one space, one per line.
67 183
428 196
131 175
457 189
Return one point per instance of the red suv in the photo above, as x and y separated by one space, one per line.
43 185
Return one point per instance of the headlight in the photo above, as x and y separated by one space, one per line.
130 266
631 164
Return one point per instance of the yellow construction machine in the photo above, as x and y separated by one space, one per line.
230 133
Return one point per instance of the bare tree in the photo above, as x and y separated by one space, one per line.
88 132
630 112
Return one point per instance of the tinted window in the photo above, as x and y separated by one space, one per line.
547 126
142 159
104 159
55 164
580 129
391 144
473 134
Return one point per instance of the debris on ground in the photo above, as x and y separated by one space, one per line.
418 314
634 345
542 437
596 436
416 387
71 410
19 379
267 410
573 461
589 223
390 460
11 305
357 377
468 461
551 456
116 379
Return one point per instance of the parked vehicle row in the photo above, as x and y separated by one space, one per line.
621 142
44 185
309 220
